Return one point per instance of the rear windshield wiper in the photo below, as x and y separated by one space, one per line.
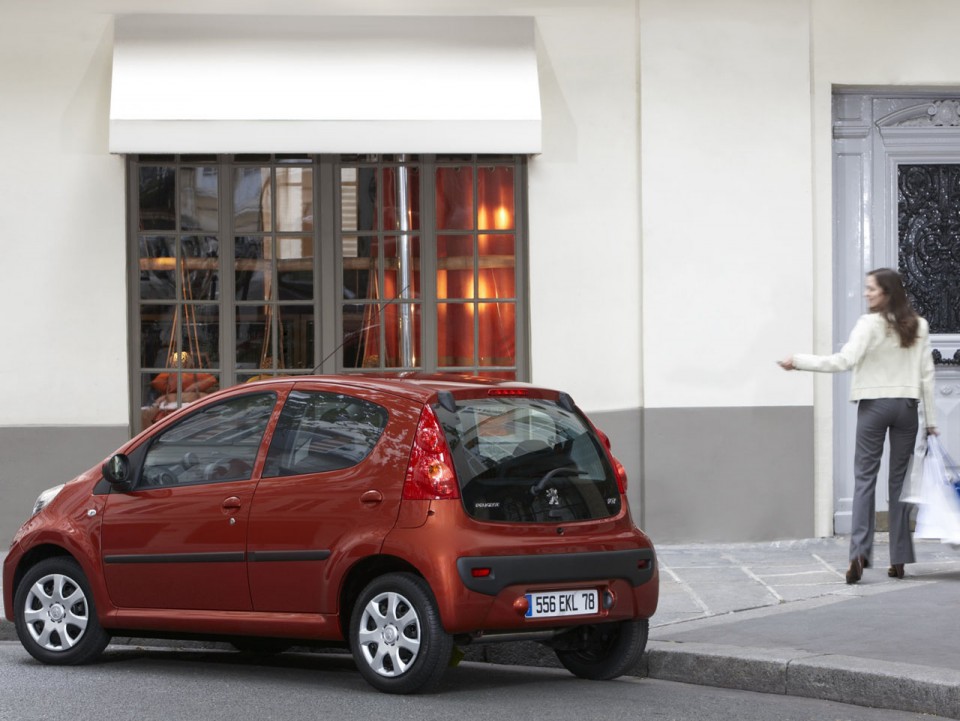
538 487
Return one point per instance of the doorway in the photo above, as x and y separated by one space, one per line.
896 198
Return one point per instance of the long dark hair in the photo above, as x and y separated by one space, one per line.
899 313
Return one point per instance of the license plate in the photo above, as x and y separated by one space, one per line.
581 602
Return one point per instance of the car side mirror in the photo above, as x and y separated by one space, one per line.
117 470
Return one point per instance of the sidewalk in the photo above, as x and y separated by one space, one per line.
779 618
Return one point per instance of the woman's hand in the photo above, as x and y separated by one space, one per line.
787 364
932 431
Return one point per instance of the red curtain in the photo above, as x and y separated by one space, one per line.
494 254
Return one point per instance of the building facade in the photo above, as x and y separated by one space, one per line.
662 197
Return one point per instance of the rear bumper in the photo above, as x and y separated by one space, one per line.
496 573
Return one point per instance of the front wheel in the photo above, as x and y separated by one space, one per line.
56 619
397 640
605 651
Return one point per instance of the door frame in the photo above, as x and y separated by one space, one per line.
876 130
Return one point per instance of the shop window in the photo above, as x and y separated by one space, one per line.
259 266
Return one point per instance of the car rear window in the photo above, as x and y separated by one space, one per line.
522 459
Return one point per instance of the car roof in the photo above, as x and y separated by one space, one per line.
413 385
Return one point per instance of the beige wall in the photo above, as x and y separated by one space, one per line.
727 200
63 212
680 214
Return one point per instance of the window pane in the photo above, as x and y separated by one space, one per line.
495 193
253 338
295 268
401 331
200 335
497 326
455 198
455 334
253 269
455 266
216 444
360 268
497 272
199 198
294 205
252 211
358 199
201 259
402 267
158 259
157 198
361 331
156 325
296 337
320 432
401 198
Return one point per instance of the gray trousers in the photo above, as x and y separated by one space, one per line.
875 417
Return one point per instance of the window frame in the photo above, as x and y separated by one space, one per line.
328 261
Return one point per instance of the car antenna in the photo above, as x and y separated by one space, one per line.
364 329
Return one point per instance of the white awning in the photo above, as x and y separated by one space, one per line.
254 84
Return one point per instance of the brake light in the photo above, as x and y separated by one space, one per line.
430 475
618 470
621 474
508 392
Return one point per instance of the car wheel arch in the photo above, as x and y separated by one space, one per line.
362 573
44 550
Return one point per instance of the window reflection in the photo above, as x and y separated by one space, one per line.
320 432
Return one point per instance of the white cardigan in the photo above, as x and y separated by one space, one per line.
881 368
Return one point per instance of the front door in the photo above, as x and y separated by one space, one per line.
897 205
178 539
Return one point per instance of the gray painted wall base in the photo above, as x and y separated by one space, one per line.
728 474
35 458
695 474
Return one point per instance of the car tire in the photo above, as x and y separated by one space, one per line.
56 618
397 639
606 651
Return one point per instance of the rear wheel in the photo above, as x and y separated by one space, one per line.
605 651
56 619
397 640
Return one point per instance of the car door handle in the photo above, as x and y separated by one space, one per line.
231 504
371 498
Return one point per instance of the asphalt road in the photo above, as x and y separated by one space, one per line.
164 684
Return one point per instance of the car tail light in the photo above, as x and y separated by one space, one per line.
430 475
619 471
508 392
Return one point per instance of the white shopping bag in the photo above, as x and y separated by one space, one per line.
913 482
939 505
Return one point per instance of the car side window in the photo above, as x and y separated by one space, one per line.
319 432
218 443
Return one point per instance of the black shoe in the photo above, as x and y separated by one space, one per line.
855 572
895 570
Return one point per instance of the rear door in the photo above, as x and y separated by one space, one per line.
329 493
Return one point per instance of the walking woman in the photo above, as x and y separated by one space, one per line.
889 352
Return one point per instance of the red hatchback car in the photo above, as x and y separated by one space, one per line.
400 516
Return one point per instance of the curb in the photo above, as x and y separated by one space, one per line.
847 679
